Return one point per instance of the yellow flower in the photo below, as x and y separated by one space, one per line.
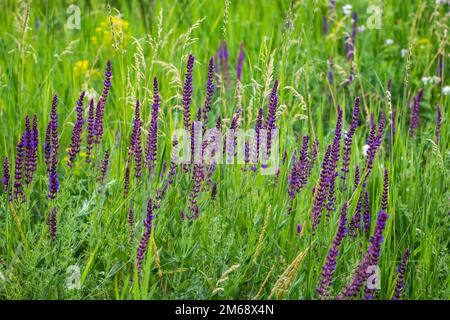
107 27
80 67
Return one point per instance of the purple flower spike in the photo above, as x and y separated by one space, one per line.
209 91
152 139
223 56
35 133
384 198
271 116
126 184
29 151
401 270
90 131
51 221
98 125
53 185
335 153
257 142
321 190
370 259
74 148
240 62
143 244
348 143
48 145
137 143
326 277
18 168
299 228
187 93
198 179
366 215
54 126
438 123
300 169
414 122
6 175
313 157
104 168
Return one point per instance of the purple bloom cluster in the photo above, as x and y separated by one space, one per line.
18 168
90 127
350 41
257 142
348 143
198 177
152 139
240 62
98 124
401 270
136 145
53 185
6 175
370 259
209 91
48 145
223 56
414 122
438 123
126 183
326 277
54 126
300 169
143 244
74 148
366 214
104 167
335 154
187 93
384 198
271 116
51 221
320 192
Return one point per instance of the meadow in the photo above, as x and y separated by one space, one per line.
94 204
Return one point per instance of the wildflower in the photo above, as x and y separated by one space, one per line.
53 185
348 143
414 122
126 184
152 139
446 90
198 177
18 168
143 244
384 198
439 70
54 126
299 228
74 148
98 124
370 258
366 214
365 150
90 131
29 151
389 42
48 145
361 28
257 142
223 56
187 93
335 153
137 141
438 123
321 192
35 133
313 157
209 91
350 41
6 177
214 191
347 9
403 52
51 222
80 67
104 167
326 277
241 58
401 270
271 116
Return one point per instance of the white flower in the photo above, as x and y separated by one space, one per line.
361 28
365 150
347 9
425 80
446 90
389 42
404 52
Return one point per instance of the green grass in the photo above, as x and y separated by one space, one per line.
282 37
